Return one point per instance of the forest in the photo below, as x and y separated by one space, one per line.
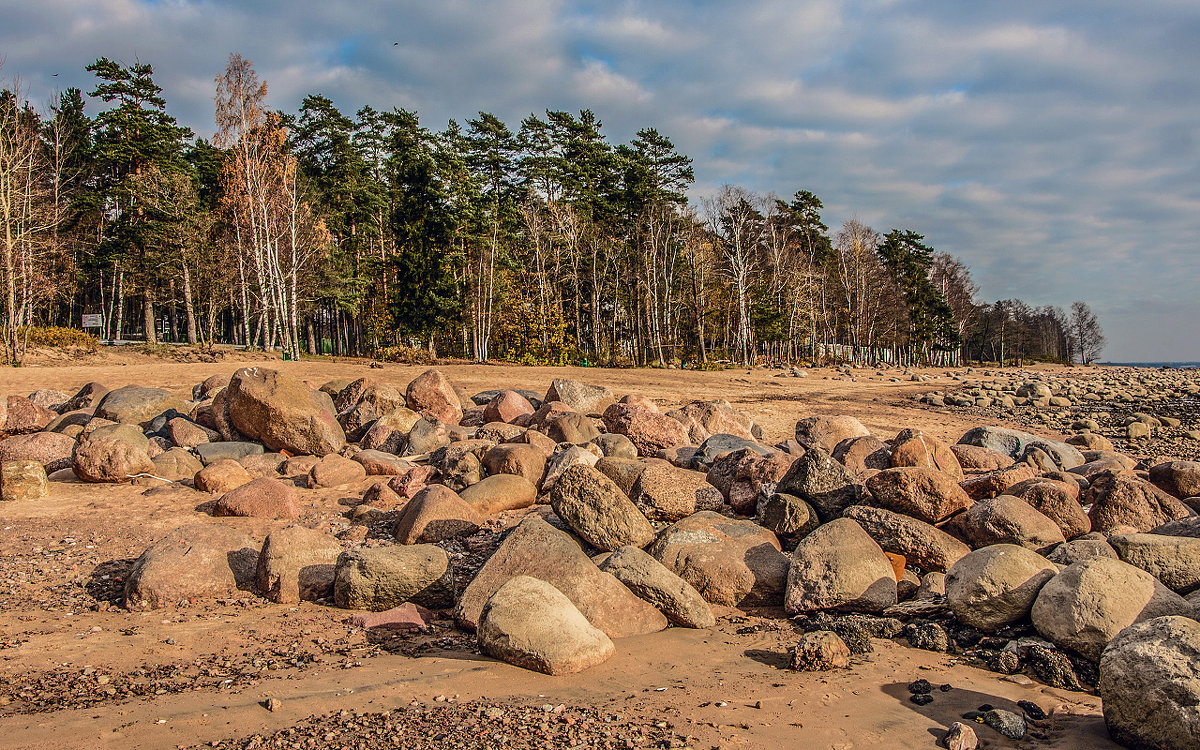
319 232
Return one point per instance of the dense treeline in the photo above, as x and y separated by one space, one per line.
321 232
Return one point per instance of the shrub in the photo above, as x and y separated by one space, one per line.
57 337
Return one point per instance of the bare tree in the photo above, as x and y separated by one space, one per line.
1086 334
736 222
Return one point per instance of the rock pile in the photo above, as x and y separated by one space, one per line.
1049 555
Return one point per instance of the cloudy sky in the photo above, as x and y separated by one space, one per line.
1054 146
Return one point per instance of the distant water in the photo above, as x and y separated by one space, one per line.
1176 365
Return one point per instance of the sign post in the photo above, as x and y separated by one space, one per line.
92 321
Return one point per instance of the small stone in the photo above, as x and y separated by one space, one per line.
1032 710
921 699
1018 679
960 737
920 687
819 651
274 704
1006 723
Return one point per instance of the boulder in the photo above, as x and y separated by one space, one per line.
863 456
260 498
821 482
187 434
408 484
1081 548
626 471
730 562
667 493
335 470
204 560
649 431
839 566
1010 520
221 476
998 482
650 580
537 549
114 453
580 397
176 465
922 545
596 509
139 405
432 396
1178 478
1173 560
1088 603
49 398
530 623
1124 500
86 397
498 493
24 416
996 586
703 419
516 458
228 451
925 494
51 449
572 427
436 513
1150 684
563 460
380 578
615 446
1014 443
23 480
974 458
914 448
426 436
1189 526
297 564
1058 501
283 413
787 516
825 432
819 651
377 463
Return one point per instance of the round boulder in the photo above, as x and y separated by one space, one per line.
996 586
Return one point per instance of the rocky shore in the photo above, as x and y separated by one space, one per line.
546 529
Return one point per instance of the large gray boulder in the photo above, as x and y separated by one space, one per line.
283 413
1016 442
531 624
203 560
1150 685
596 509
379 578
1088 603
650 580
537 549
996 586
839 566
730 562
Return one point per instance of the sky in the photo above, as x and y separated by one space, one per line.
1053 146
